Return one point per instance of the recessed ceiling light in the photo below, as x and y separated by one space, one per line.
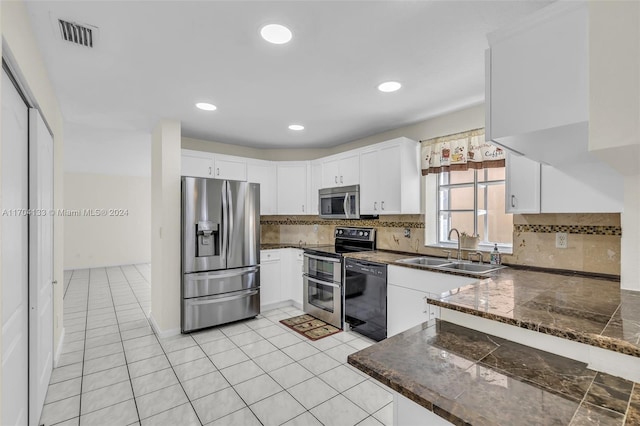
206 106
389 86
296 127
276 34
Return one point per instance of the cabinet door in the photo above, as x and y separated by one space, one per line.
270 277
292 188
349 170
406 308
296 277
522 186
265 175
330 174
390 180
196 165
540 73
316 184
231 168
369 176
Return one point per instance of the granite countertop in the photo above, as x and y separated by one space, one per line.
589 310
274 246
471 378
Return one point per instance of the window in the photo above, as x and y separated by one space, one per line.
473 201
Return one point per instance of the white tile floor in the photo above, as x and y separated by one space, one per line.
115 371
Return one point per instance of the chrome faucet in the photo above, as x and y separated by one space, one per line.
458 234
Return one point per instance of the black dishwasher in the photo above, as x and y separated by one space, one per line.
365 298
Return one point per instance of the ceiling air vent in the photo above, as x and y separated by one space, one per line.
82 35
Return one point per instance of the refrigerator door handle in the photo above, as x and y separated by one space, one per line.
225 221
223 298
230 216
227 273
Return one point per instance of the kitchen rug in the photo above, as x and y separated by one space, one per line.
310 327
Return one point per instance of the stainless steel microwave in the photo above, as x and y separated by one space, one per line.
340 203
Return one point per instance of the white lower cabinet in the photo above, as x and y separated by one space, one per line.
408 413
406 308
280 278
294 283
407 293
270 278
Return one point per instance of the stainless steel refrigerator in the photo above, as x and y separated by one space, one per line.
220 252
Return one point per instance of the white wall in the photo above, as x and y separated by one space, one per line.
107 169
93 241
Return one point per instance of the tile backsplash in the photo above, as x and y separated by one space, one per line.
593 239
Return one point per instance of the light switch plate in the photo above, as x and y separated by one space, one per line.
561 240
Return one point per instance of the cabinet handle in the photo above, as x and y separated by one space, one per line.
375 206
425 305
303 208
209 170
218 171
341 179
513 201
381 205
335 179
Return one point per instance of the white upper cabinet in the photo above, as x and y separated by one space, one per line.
264 173
532 187
341 170
537 85
316 184
293 187
522 190
390 178
197 164
209 165
232 168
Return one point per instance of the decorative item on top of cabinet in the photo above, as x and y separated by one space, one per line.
390 178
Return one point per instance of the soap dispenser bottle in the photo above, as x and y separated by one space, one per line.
495 256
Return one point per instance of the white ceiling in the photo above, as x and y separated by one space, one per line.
156 59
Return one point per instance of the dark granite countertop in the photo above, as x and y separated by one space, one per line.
471 378
588 310
274 246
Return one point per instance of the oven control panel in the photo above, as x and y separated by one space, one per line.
360 234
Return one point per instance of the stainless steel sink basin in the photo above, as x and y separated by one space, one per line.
473 268
425 261
450 265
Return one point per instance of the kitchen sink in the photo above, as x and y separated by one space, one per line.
425 261
474 268
450 265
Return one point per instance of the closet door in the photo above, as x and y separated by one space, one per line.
41 263
14 255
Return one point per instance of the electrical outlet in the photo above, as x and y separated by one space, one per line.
315 228
407 232
561 240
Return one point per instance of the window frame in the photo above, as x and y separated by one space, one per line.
432 233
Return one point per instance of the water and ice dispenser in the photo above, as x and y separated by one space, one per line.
207 239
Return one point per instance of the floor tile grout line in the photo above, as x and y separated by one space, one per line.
170 366
242 348
83 344
124 354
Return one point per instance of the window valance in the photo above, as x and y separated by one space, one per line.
461 151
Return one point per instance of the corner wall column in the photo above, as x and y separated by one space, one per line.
165 228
